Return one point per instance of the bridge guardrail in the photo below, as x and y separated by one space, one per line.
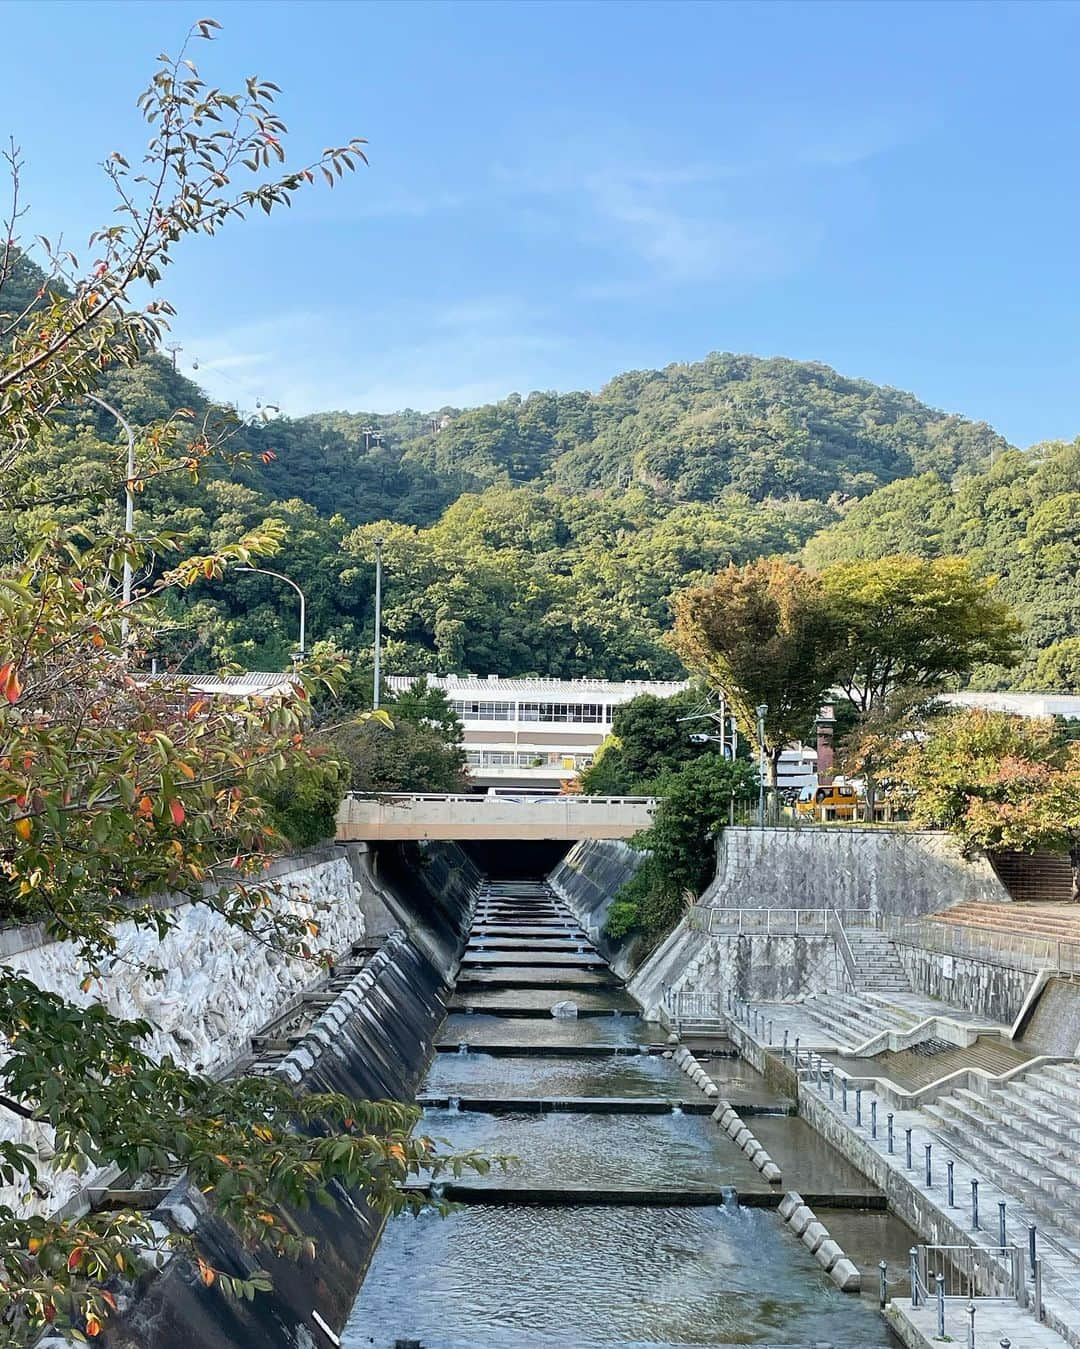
764 921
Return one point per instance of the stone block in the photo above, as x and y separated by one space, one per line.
740 1138
814 1235
800 1220
733 1126
827 1254
752 1148
711 1089
724 1114
845 1275
771 1173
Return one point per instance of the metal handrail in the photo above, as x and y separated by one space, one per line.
1020 951
996 1273
774 921
843 946
464 798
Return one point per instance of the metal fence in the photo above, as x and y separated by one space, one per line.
1031 953
969 1272
768 922
688 1005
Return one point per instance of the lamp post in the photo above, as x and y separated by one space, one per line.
265 571
762 711
378 624
129 505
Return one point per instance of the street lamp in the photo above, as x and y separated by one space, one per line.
129 506
265 571
378 623
761 711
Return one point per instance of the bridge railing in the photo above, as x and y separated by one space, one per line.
481 799
786 922
1027 951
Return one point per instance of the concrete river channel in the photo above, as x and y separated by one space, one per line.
627 1215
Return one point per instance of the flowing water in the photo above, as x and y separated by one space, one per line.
615 1222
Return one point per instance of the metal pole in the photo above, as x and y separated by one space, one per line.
129 505
832 1083
785 1044
280 576
1001 1223
907 1147
858 1107
1038 1290
929 1166
913 1274
378 625
889 1131
939 1279
974 1205
949 1182
1032 1253
843 1095
873 1119
971 1325
762 711
883 1284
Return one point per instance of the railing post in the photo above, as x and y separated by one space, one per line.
1001 1223
785 1045
858 1107
939 1280
929 1166
873 1119
796 1056
832 1083
1038 1290
1032 1253
913 1272
889 1131
974 1205
949 1182
819 1072
907 1146
883 1284
843 1095
971 1326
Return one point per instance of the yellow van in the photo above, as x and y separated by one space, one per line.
837 801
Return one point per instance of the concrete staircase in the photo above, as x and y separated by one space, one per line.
1040 876
1024 1136
854 1018
1051 921
877 964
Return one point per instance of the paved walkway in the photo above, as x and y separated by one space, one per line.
994 1323
1059 1252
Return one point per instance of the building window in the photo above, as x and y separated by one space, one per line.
564 713
468 710
498 758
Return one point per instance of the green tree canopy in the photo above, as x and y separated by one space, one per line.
762 634
996 781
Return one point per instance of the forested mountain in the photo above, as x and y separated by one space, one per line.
545 534
760 428
1019 521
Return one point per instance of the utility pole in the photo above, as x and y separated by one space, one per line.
378 623
173 348
129 508
762 711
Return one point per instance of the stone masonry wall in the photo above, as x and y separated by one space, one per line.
220 984
993 991
894 871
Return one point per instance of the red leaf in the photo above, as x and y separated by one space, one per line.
176 810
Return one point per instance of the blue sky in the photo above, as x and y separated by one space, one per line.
558 192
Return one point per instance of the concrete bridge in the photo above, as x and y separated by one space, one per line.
418 816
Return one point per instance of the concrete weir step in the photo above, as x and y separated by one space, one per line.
462 1192
577 1105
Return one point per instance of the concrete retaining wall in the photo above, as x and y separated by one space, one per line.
765 969
588 879
887 870
996 992
220 984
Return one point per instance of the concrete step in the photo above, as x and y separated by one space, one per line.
1041 1166
995 1166
1004 1109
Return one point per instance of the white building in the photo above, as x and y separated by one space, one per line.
541 733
